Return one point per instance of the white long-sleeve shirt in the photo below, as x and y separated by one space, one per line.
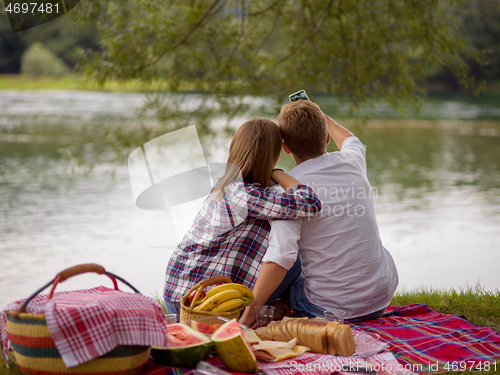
344 264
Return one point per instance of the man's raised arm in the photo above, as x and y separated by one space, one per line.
337 132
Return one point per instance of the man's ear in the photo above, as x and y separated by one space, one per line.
327 139
285 147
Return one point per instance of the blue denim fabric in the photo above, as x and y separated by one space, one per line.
173 307
300 303
290 278
373 315
298 299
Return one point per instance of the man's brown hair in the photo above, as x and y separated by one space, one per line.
303 128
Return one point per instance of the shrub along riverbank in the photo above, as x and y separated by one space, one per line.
76 82
480 307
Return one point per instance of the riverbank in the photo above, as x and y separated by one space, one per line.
76 82
68 82
480 307
436 104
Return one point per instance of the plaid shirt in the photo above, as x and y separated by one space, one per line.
229 237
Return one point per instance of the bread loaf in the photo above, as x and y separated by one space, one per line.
344 341
263 334
319 336
331 327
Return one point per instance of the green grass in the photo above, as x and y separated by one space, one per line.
13 368
160 300
478 306
69 82
76 82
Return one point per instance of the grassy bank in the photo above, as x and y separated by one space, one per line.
76 82
69 82
480 307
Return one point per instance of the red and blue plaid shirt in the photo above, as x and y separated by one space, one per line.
229 237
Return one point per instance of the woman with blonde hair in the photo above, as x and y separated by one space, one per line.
229 234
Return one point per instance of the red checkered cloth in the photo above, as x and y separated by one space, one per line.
154 368
425 340
420 340
305 364
325 364
87 324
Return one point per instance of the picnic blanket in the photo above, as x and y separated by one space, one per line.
419 340
86 324
305 364
154 368
425 340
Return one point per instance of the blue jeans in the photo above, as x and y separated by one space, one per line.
293 283
173 308
283 290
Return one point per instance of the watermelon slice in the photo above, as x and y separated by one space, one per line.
186 347
204 328
233 349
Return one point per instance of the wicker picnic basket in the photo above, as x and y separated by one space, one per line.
188 313
35 351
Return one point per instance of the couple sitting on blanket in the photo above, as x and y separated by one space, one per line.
312 236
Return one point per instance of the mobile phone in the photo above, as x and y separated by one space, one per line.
301 94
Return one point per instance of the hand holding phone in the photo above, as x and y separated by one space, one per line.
299 95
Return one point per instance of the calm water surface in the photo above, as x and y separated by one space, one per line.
437 187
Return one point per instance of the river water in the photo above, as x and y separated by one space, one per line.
436 184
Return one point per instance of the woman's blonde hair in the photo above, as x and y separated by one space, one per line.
254 151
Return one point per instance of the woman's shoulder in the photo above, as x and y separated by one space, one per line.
240 192
239 187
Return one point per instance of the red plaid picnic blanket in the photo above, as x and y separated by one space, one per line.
426 340
86 324
325 364
305 364
154 368
421 339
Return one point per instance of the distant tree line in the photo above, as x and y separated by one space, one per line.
478 23
480 26
362 52
61 37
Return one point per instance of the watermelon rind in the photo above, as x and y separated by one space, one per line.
233 349
186 355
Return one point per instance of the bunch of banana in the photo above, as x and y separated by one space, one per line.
225 297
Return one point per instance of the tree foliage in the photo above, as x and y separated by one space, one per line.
481 28
11 46
61 36
362 51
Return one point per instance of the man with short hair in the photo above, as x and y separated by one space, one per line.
335 260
